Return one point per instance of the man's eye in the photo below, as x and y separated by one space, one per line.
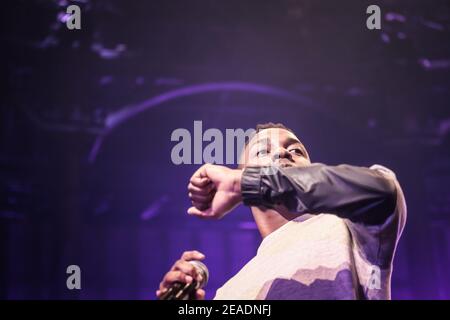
297 151
261 152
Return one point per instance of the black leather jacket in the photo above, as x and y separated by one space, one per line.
360 194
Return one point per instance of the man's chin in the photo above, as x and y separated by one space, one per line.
276 164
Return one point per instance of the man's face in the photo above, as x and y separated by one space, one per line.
275 146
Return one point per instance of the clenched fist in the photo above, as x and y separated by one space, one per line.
214 191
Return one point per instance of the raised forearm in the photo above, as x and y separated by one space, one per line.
356 193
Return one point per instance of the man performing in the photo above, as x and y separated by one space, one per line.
329 232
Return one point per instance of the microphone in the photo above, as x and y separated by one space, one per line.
185 291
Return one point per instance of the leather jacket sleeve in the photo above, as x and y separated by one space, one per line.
360 194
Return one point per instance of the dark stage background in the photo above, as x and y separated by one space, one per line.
86 119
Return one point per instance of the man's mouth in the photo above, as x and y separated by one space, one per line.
284 164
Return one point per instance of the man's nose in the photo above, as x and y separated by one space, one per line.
281 153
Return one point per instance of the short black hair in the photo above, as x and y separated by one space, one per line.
270 125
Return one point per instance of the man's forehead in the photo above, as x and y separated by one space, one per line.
274 135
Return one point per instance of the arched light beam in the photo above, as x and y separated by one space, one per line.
114 119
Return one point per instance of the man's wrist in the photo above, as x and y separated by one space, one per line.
237 178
